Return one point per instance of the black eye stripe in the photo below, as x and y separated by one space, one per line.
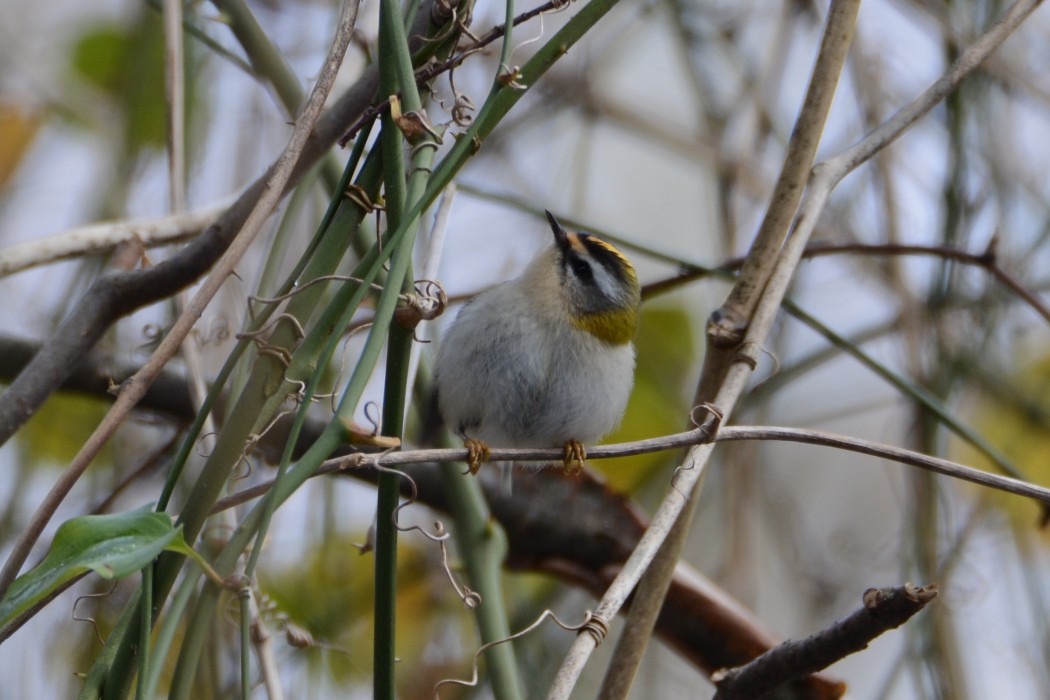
603 255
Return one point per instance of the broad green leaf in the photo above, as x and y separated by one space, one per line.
114 546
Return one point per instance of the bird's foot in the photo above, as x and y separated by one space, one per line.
575 454
477 452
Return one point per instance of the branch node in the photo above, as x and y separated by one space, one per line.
726 328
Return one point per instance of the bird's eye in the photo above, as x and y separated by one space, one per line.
582 270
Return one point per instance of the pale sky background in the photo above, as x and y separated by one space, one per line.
848 534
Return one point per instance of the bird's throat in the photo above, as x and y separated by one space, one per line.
615 326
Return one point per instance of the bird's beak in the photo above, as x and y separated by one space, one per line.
561 236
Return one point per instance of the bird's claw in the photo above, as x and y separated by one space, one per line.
477 452
575 454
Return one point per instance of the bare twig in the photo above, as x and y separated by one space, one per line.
104 237
988 259
884 609
674 442
735 332
430 71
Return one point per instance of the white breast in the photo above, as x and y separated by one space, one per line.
514 376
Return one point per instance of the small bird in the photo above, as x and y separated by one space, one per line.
545 359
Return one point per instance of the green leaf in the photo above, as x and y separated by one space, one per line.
99 56
114 546
126 63
661 396
44 444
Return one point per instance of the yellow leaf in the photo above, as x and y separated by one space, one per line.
17 127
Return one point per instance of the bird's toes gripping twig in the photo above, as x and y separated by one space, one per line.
477 452
575 454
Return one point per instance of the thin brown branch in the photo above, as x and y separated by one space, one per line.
432 70
690 438
988 260
884 609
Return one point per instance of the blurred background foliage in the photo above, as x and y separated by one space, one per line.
663 130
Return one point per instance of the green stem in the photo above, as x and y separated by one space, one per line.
190 441
346 300
505 69
266 60
483 546
395 77
250 408
246 644
169 625
337 314
144 629
269 63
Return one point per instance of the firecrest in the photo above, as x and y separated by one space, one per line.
546 359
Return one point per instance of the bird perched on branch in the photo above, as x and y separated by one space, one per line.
546 359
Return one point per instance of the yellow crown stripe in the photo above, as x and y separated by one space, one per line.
628 268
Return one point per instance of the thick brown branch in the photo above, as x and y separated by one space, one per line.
95 373
701 621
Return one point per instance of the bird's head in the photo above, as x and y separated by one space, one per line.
598 283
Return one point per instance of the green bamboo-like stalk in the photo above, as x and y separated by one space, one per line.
483 548
111 669
336 316
146 621
395 77
266 60
257 402
333 436
308 362
345 302
246 645
261 318
165 634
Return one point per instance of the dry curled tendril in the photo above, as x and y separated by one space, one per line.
428 302
592 624
414 125
471 599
